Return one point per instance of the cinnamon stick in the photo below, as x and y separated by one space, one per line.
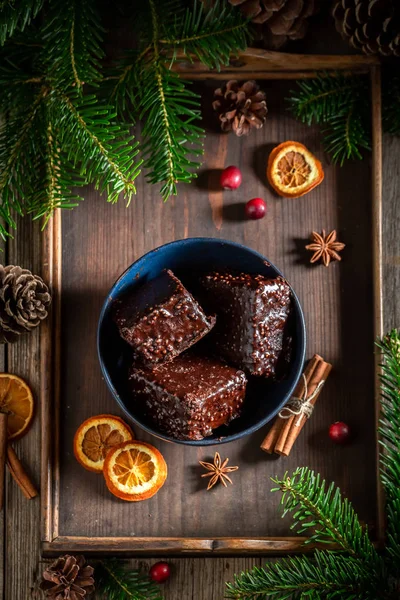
268 444
320 373
19 474
281 427
3 446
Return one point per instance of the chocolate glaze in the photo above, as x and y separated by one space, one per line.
252 318
189 397
161 319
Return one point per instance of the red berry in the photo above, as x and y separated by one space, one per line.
160 572
339 432
231 178
255 208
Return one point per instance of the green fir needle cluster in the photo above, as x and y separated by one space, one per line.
341 104
115 581
347 566
67 121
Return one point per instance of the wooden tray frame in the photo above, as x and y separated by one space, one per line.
256 64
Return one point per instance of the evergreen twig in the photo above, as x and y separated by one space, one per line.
357 571
15 15
390 440
115 581
72 36
73 137
327 575
338 102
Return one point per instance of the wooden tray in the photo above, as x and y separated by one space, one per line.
85 253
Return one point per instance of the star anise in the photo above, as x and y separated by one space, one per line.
217 471
325 247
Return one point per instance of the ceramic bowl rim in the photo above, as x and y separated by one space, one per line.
206 441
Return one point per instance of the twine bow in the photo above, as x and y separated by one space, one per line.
301 406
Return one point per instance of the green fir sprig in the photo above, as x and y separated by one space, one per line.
57 131
347 566
115 581
338 102
342 105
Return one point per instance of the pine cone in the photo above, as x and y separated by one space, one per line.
68 578
277 21
240 107
24 299
372 26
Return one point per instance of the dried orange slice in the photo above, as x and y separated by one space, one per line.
96 437
134 471
292 170
17 401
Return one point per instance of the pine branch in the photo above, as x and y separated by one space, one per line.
320 99
56 180
72 37
339 102
169 109
211 35
325 575
346 135
15 15
18 149
390 440
18 71
320 511
169 132
103 150
116 582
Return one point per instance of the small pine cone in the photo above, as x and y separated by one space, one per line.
240 107
24 300
372 26
277 21
68 578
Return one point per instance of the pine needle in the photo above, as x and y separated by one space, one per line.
115 581
15 15
72 37
339 103
210 35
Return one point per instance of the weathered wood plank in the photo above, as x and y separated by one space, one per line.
22 542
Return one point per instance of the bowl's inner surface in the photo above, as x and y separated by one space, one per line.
188 259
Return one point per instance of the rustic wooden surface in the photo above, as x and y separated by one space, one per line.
99 241
193 579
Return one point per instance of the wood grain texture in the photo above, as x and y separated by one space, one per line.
22 544
182 509
193 579
263 64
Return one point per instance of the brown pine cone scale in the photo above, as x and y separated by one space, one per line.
372 26
240 107
277 21
24 301
68 578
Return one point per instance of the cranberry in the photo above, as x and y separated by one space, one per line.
339 432
231 178
255 208
160 572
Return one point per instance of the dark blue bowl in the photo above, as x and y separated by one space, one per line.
187 259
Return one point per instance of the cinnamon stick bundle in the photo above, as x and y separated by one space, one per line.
3 447
19 474
285 431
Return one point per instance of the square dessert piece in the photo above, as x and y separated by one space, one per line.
252 318
189 397
161 319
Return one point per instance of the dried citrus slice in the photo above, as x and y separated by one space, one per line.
134 471
17 401
96 437
292 170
